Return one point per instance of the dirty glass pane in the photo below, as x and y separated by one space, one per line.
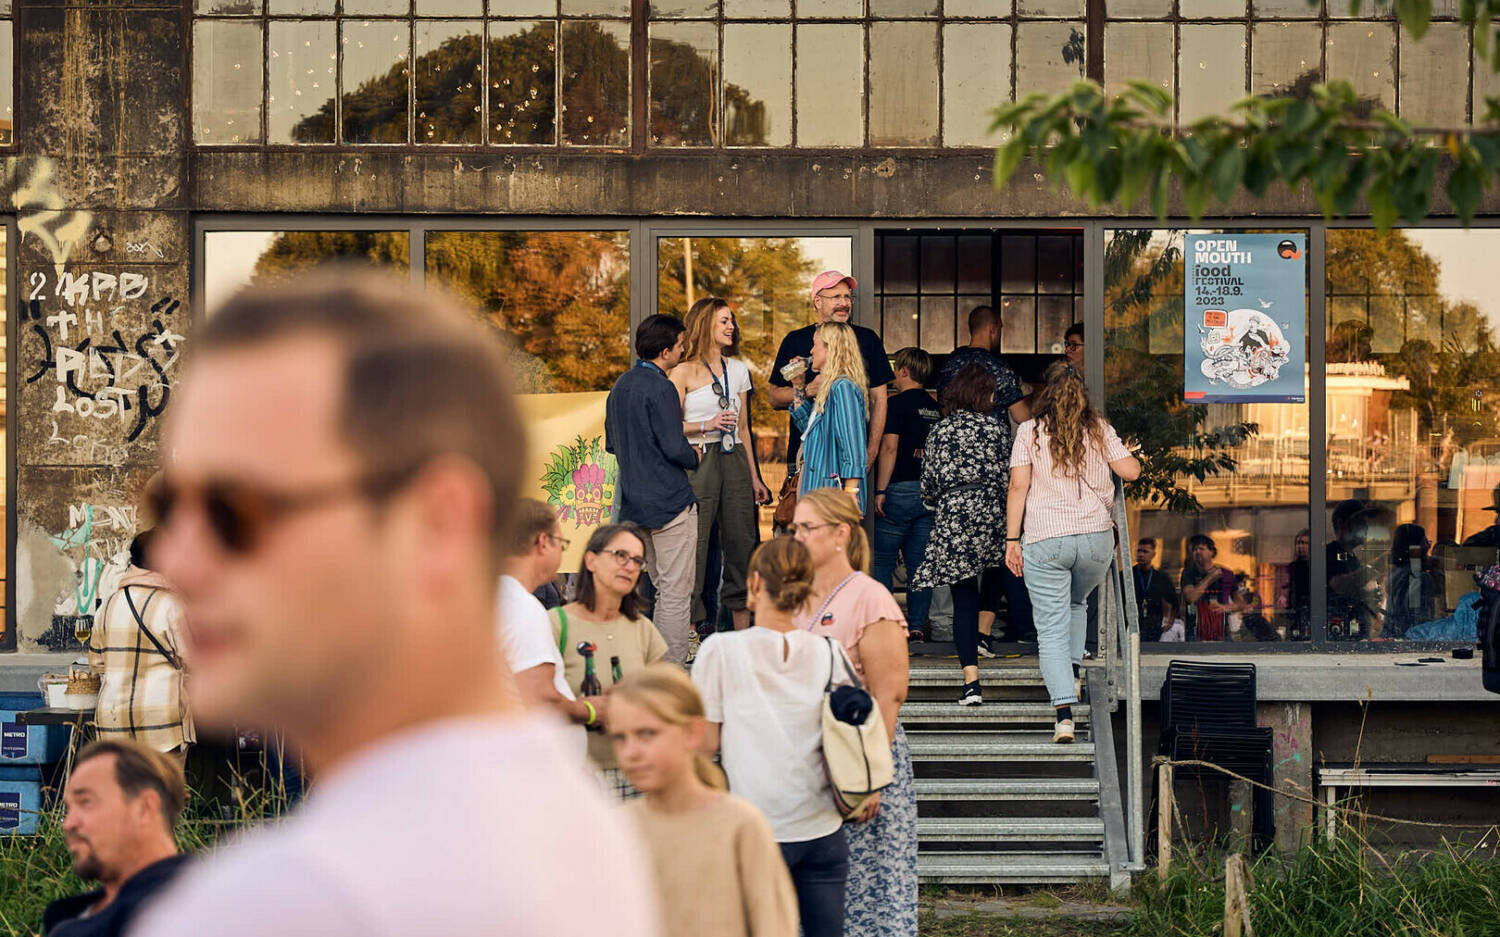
561 297
1283 9
449 80
937 263
455 7
677 9
300 7
233 260
981 9
1050 7
1050 57
900 8
1212 70
523 7
7 93
903 84
757 8
976 78
1364 54
227 7
596 83
226 81
937 324
1214 9
684 76
1138 9
830 85
966 305
757 84
376 7
1054 265
1285 57
1367 9
1054 314
299 101
376 80
523 70
1017 263
899 270
1434 73
595 8
974 263
1018 325
898 325
1486 85
829 9
1138 51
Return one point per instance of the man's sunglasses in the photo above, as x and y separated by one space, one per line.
240 514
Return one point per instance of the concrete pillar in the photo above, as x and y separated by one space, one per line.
1291 754
98 182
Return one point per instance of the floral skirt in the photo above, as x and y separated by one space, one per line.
880 899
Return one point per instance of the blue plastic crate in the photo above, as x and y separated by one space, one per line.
28 745
20 799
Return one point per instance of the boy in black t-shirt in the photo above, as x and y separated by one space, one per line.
902 523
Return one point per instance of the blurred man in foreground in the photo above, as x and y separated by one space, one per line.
345 459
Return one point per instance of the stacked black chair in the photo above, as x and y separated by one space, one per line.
1208 714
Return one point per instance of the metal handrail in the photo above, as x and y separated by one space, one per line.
1120 644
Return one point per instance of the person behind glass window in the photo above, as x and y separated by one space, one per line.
1301 597
763 692
1353 588
1062 494
1411 590
833 419
1489 536
714 387
1153 592
960 484
1207 590
902 522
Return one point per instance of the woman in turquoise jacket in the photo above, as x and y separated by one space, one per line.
833 420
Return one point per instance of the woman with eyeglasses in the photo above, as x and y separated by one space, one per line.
607 615
714 387
833 421
849 605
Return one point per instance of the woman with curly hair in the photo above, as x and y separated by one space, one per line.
1062 495
833 421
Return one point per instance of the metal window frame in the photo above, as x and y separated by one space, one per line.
9 639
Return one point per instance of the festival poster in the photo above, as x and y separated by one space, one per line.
1245 301
567 467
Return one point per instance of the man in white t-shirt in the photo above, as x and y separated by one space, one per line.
344 457
537 545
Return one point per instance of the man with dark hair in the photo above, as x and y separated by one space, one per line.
1353 589
1207 590
346 454
122 800
832 301
643 428
1073 345
902 522
525 633
1153 592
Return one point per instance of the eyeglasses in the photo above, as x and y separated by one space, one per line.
562 542
240 514
805 528
625 558
1072 346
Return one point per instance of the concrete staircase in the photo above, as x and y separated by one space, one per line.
997 801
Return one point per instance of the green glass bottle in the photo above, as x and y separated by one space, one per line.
614 670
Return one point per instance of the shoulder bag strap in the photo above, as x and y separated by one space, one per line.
848 670
140 623
562 639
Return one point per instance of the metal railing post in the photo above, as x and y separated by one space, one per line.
1123 583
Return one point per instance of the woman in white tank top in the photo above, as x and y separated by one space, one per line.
714 387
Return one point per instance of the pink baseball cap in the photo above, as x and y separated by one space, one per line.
831 278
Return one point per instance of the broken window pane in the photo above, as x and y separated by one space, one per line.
457 7
1050 57
1138 51
1434 72
895 9
976 78
594 8
7 93
376 78
299 103
903 84
757 84
1285 58
678 9
1139 9
1050 7
1283 9
992 9
938 322
829 9
523 56
684 73
300 7
376 7
1212 71
830 85
596 83
226 81
1364 54
757 8
449 80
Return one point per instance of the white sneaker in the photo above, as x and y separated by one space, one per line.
694 642
1063 732
984 646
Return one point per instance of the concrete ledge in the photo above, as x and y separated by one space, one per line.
1341 677
20 672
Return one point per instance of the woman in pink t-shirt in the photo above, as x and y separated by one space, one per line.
847 604
1061 491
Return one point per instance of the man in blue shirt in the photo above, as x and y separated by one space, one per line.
643 428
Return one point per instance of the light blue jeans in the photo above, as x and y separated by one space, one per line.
1060 573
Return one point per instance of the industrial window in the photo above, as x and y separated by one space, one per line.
7 70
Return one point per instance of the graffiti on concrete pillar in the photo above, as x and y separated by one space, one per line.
43 212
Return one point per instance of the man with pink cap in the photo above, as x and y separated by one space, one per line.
833 301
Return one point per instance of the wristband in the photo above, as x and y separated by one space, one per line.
1012 539
593 713
880 491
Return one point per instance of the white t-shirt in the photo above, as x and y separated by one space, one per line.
526 639
703 404
484 825
766 689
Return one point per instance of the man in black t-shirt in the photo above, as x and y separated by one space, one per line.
833 301
902 522
1153 592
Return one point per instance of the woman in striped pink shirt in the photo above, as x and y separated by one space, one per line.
1062 496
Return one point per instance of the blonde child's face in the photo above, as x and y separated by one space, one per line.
652 752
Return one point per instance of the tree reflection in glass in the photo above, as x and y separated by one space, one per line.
522 82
